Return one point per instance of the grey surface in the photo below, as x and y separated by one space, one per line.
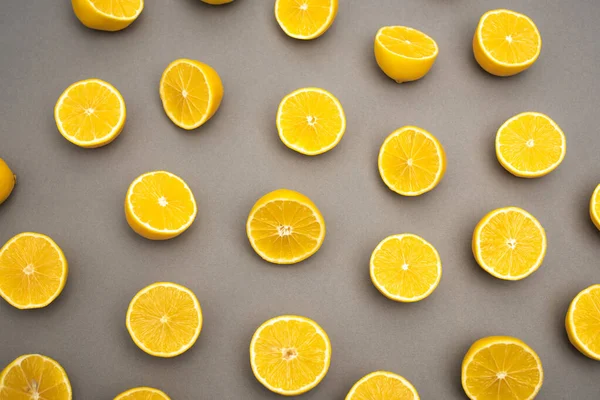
76 196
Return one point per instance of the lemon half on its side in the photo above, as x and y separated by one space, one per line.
107 15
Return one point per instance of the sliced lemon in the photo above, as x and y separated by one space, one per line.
143 393
107 15
33 271
311 121
405 268
509 243
506 42
411 161
160 205
383 385
595 207
33 376
8 181
583 322
501 367
530 145
285 227
305 19
90 113
217 2
404 54
164 319
290 355
191 92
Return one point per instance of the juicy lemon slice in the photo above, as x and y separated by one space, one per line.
33 271
509 243
90 113
191 93
107 15
310 121
143 393
506 42
404 54
160 205
595 207
583 322
501 367
290 355
8 181
405 268
383 385
33 376
530 145
305 19
285 227
411 161
164 319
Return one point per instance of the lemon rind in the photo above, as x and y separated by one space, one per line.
396 297
320 331
387 374
183 348
530 174
300 149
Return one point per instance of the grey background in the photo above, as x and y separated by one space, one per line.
76 195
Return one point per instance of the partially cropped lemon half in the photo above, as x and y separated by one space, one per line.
107 15
583 322
383 385
595 207
143 393
34 376
8 180
404 54
305 19
217 2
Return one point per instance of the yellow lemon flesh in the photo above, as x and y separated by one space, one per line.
405 268
107 15
530 145
191 93
501 368
383 385
290 355
411 161
509 243
404 54
310 121
305 19
595 207
164 319
90 113
217 2
143 393
8 181
285 227
33 376
583 322
160 205
506 42
33 271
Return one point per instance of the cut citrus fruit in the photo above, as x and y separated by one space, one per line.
501 368
7 181
107 15
90 113
404 54
191 92
383 385
583 322
405 268
311 121
143 393
285 227
160 205
530 145
33 376
217 2
506 42
305 19
164 319
509 243
595 207
33 271
411 161
290 355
